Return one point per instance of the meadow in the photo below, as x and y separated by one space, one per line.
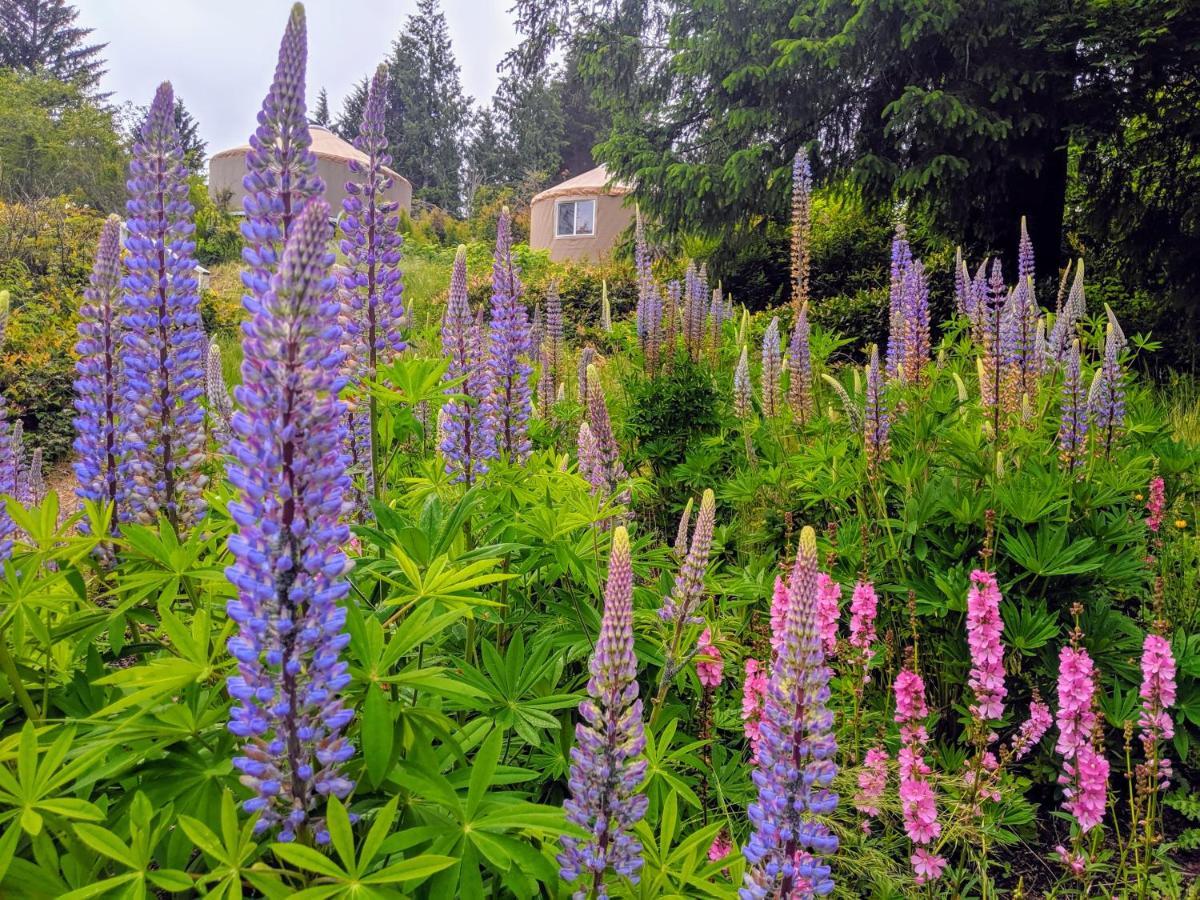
416 582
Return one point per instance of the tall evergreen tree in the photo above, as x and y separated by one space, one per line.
194 146
321 113
41 35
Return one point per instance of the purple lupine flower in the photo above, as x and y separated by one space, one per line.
1073 422
1063 332
462 346
670 320
679 606
98 441
591 464
220 404
796 755
901 262
914 318
163 347
536 330
772 366
1018 342
977 292
15 453
508 406
1106 399
645 278
962 285
741 387
281 170
552 349
587 356
601 426
293 493
606 770
359 442
35 480
1025 255
371 228
695 311
801 227
992 336
10 467
800 384
877 424
681 532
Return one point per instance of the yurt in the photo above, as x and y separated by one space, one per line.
227 168
580 218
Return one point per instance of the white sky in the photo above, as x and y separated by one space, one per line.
220 54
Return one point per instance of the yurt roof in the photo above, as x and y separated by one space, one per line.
594 181
325 145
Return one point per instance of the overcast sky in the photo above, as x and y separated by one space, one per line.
220 54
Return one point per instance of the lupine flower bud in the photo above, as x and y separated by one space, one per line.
796 755
98 440
591 465
289 472
1062 335
877 424
601 425
679 607
605 766
507 408
370 224
695 310
741 387
1106 400
605 307
220 404
1025 255
915 346
800 383
681 533
992 334
771 368
163 347
1073 420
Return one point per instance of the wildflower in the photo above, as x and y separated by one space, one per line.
289 473
872 782
552 349
721 846
1025 268
462 344
1106 399
709 665
864 605
914 350
601 425
801 227
1076 862
918 805
1020 357
647 327
1156 504
695 294
796 754
901 262
1073 423
688 591
605 766
1062 335
587 358
670 320
681 533
771 367
800 381
220 404
591 465
741 387
1085 773
1158 694
1032 730
10 467
927 866
508 406
829 594
991 315
1181 524
162 352
987 653
877 427
371 233
98 439
754 693
605 307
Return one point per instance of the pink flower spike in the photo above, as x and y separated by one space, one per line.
872 782
829 593
780 601
864 606
1032 730
987 652
709 665
1156 504
721 846
754 692
1157 693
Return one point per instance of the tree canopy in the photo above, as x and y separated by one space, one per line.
41 36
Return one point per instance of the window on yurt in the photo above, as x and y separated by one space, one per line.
575 218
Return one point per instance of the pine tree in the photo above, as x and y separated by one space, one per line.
321 113
41 35
194 146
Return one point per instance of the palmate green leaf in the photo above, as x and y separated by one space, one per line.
44 781
441 581
1028 627
1049 551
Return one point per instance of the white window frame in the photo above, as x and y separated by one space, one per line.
575 234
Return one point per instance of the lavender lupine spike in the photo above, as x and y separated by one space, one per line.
741 387
371 234
587 356
993 349
796 754
9 476
645 278
914 317
1019 325
507 408
1075 307
552 349
220 404
772 366
598 420
962 285
36 479
591 465
877 424
1106 400
695 311
281 169
163 346
536 329
462 423
289 471
1025 255
901 262
679 606
681 533
98 441
670 322
606 768
800 384
1073 422
14 453
801 228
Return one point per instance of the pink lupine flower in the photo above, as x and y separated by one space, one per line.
721 846
1157 693
872 782
927 866
987 653
1156 504
709 665
864 605
754 692
1032 730
829 593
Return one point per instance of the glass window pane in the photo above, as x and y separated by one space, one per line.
566 219
585 213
